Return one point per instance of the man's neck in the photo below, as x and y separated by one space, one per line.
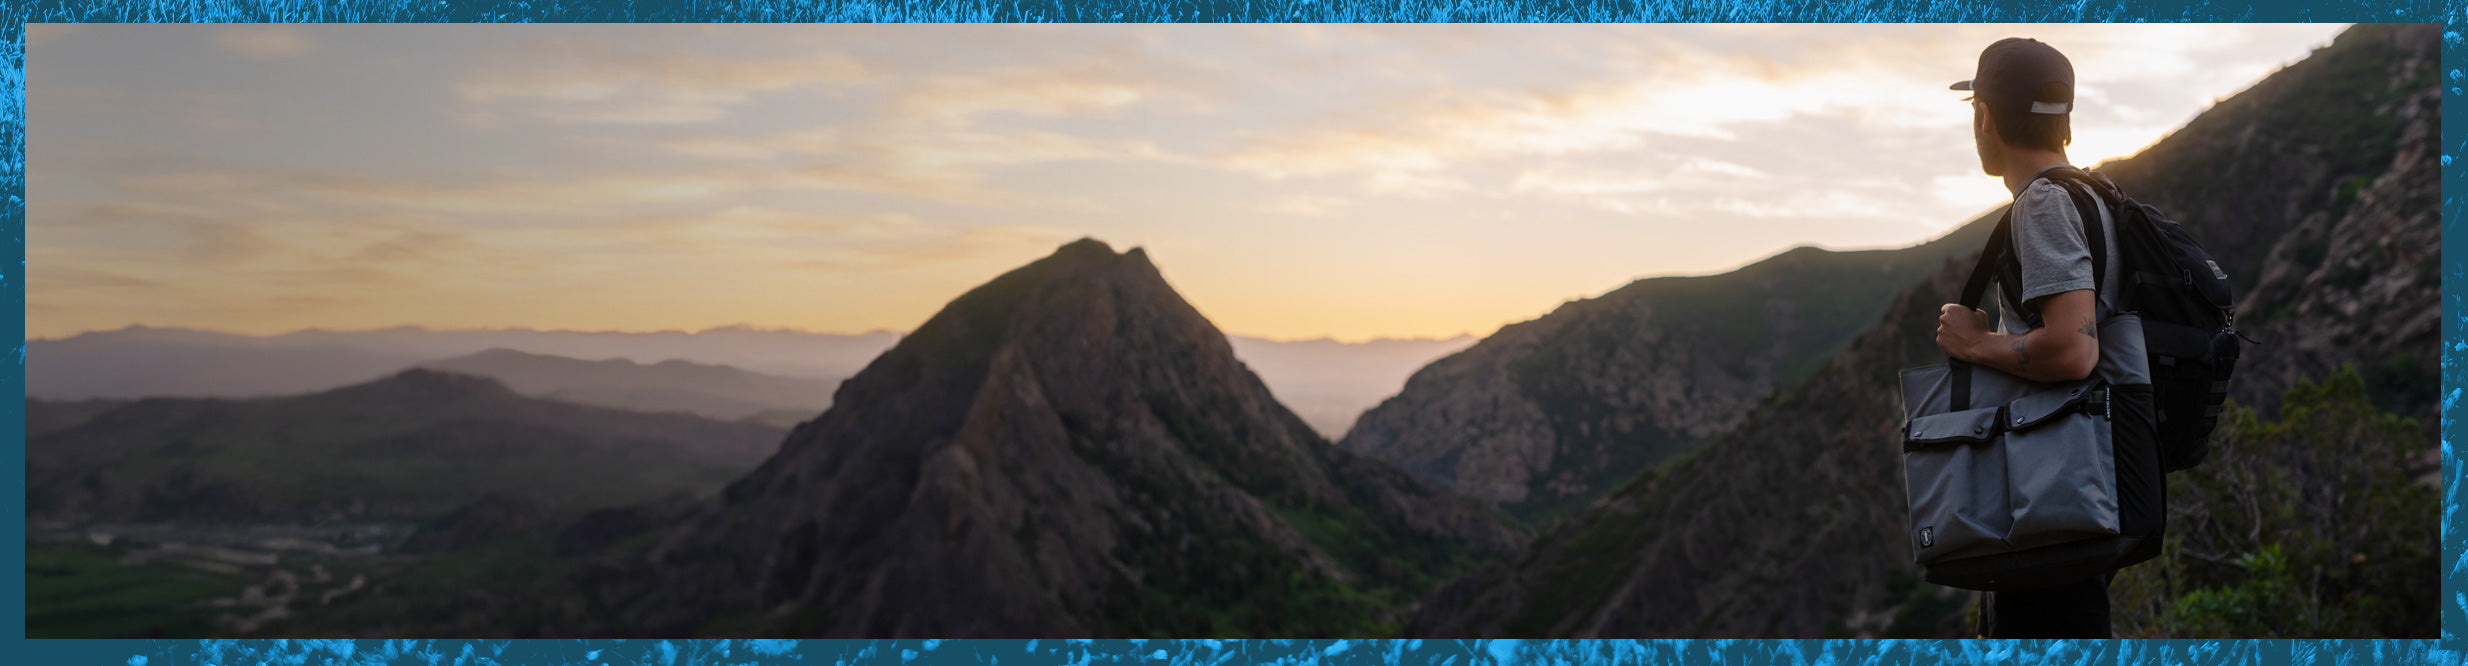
2021 165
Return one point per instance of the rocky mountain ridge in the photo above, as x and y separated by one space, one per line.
1548 414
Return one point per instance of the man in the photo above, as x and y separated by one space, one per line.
2022 99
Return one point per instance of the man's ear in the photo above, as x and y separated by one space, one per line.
1985 140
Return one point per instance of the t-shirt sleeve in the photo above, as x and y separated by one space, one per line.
2048 241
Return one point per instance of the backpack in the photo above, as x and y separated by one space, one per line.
2188 313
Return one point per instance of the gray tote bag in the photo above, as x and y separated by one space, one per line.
2016 484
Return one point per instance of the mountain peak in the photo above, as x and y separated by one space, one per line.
425 383
1085 246
1064 429
1089 250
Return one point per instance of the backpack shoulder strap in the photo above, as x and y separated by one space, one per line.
2081 185
2000 244
2000 248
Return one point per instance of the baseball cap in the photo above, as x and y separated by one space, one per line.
2024 75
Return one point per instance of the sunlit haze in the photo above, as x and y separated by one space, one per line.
1291 181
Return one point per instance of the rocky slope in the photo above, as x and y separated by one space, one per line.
2332 168
1790 525
1548 414
1068 450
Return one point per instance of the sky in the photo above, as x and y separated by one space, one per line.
1291 181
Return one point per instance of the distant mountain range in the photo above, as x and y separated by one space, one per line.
1330 383
139 362
777 376
715 391
2316 189
409 447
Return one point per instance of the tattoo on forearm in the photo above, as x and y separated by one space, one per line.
2090 330
2022 353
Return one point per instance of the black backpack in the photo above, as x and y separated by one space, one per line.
2188 313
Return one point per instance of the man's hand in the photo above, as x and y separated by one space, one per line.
1961 330
2068 348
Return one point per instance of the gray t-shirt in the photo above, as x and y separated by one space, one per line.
2055 256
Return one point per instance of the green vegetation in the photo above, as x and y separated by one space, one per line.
1921 606
512 587
85 591
1589 568
2348 190
1244 585
2311 526
2403 384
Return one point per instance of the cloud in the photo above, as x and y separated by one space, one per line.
1662 174
181 233
767 238
104 265
209 110
1034 91
265 42
1595 89
416 247
925 245
269 194
1457 129
947 165
814 141
565 80
71 277
574 194
940 135
748 226
1337 151
1305 206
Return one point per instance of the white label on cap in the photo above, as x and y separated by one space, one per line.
2050 107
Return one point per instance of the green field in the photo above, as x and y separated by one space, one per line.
84 591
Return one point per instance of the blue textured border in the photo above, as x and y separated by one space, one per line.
13 16
1210 652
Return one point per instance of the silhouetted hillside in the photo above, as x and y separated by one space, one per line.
411 446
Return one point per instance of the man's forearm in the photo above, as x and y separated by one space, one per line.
2026 356
2010 354
2046 354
